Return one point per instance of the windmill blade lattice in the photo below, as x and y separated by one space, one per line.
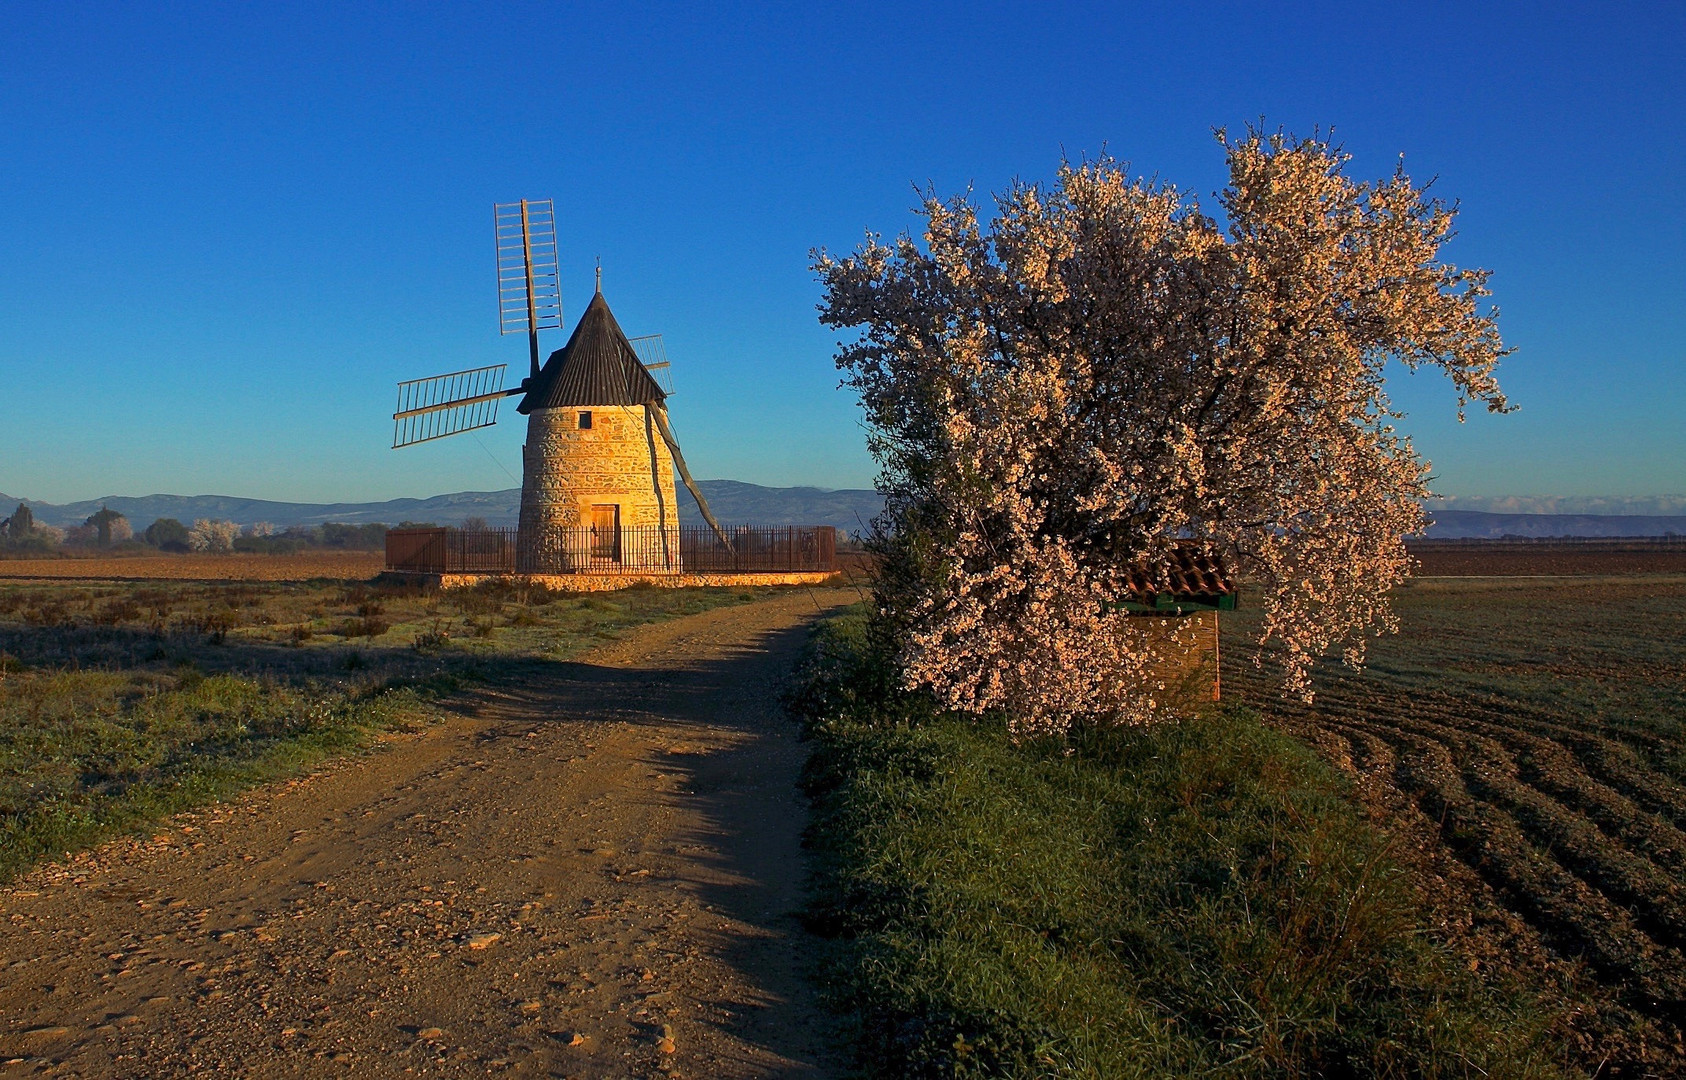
529 278
442 405
652 353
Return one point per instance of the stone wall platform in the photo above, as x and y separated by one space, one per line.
610 582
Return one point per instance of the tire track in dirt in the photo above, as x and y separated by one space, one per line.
588 871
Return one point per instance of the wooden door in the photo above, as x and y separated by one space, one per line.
606 531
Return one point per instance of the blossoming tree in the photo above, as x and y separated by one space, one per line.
212 536
1106 370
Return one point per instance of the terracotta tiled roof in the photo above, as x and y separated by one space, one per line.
1189 575
596 367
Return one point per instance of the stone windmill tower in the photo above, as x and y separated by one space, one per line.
600 455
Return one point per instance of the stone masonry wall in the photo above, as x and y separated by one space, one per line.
578 583
1186 672
569 469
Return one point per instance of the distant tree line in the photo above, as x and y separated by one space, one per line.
21 533
263 539
107 529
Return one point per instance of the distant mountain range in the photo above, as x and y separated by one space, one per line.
732 501
1570 505
1474 524
735 502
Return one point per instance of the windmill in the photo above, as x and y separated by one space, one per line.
584 405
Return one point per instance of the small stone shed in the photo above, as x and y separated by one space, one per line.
1176 605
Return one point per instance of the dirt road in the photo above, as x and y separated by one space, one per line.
589 874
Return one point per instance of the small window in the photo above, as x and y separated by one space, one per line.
585 419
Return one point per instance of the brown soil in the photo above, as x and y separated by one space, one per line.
1497 558
592 873
1521 741
306 567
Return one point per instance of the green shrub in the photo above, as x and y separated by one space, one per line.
367 626
357 537
35 544
269 545
167 534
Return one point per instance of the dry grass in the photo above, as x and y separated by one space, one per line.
304 567
1527 737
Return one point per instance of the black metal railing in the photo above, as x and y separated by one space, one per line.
640 549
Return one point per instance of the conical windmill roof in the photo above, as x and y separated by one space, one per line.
596 367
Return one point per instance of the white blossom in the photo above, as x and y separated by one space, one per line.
1106 371
212 536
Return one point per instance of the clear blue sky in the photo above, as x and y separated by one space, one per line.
227 230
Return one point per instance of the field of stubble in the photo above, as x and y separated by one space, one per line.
1525 742
307 566
1524 558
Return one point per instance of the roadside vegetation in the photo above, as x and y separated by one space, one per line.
120 703
1033 858
1199 898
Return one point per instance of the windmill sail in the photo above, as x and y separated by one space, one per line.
526 242
652 353
529 277
442 405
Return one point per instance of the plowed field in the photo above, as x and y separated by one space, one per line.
1503 558
306 567
1526 740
